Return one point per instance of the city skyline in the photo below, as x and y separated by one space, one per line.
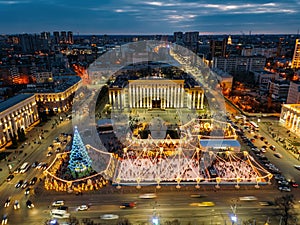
153 17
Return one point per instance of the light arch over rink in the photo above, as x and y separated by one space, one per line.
156 51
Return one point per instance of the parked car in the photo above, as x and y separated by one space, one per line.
16 205
278 155
7 202
10 177
19 184
33 181
29 204
4 219
284 188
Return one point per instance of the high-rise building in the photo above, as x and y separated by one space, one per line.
296 57
56 37
294 93
218 48
30 42
178 37
63 36
70 39
45 35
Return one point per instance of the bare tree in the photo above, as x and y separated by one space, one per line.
286 205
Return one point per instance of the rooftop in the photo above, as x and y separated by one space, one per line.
60 84
13 101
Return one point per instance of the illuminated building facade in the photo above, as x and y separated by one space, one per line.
59 101
17 112
59 96
296 57
156 93
290 117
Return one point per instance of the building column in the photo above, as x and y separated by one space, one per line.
110 99
198 100
294 122
202 100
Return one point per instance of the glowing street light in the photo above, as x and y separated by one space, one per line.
155 221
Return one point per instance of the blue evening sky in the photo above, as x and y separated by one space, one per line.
149 17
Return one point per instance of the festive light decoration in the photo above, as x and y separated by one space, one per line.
80 162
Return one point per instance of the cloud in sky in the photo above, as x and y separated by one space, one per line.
145 17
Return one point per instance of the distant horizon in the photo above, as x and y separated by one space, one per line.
214 17
152 34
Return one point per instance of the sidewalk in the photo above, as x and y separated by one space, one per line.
283 137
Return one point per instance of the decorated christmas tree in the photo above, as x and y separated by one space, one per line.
80 162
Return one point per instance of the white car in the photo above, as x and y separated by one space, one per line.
284 188
297 167
58 203
109 217
148 196
82 208
248 198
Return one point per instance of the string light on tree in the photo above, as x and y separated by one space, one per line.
80 162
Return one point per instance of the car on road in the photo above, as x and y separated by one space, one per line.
33 181
297 167
266 203
29 204
148 196
278 155
25 184
58 203
10 177
128 205
198 195
272 147
109 217
17 171
248 198
16 205
19 184
35 164
4 219
49 154
203 204
283 182
82 208
293 183
284 188
27 191
7 202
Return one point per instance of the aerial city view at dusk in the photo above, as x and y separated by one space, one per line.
138 112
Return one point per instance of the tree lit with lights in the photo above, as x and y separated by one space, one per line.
80 162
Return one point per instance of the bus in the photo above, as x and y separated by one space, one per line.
253 124
24 167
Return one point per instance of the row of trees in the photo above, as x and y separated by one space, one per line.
19 136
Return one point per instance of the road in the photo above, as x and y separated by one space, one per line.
168 206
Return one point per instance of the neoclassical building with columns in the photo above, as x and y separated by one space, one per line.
19 111
290 117
156 93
